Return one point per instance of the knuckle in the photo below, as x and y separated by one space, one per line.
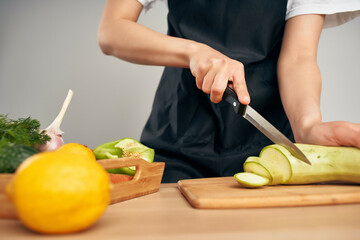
224 61
205 87
199 84
216 61
238 85
215 90
214 99
240 67
202 67
206 90
240 64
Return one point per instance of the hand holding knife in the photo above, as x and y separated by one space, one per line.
262 124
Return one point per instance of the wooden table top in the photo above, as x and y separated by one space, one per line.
167 215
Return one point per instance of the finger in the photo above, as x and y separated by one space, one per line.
337 133
208 81
199 78
347 134
199 72
240 87
218 87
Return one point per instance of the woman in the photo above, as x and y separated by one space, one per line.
260 48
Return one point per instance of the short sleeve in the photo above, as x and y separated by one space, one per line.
337 11
147 3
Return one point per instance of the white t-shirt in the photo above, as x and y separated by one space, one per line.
337 11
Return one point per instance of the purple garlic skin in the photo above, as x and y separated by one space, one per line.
54 143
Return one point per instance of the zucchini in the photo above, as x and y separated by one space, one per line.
278 163
253 165
270 167
251 180
329 164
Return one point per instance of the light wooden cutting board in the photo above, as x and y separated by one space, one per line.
225 192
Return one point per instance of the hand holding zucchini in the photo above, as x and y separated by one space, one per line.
277 165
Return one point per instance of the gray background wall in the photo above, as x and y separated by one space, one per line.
50 46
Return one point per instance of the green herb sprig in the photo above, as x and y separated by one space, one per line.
24 131
18 141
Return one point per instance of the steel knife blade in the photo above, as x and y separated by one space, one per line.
263 125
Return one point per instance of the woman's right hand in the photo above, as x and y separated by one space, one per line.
214 71
119 36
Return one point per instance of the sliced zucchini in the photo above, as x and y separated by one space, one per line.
251 180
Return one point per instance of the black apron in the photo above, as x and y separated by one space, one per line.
193 136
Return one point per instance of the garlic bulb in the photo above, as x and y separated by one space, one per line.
54 131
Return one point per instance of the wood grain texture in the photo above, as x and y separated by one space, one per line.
7 210
147 180
218 193
167 215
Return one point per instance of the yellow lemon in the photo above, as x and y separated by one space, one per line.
77 148
59 192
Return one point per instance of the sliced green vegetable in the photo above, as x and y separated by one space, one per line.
108 151
278 163
126 147
253 165
328 164
251 180
340 164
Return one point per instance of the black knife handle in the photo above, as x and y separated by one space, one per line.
231 97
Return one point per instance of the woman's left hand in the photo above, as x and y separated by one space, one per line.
337 133
300 86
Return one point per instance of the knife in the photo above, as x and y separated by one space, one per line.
263 125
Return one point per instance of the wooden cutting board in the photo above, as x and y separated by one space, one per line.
225 192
